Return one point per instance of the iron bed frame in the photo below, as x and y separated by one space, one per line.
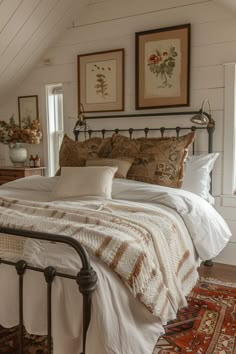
86 278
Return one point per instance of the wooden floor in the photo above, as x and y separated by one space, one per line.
219 271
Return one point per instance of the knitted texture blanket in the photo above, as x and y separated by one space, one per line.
142 244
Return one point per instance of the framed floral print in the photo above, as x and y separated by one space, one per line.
163 67
101 81
28 109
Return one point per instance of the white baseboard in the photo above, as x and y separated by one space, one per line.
228 255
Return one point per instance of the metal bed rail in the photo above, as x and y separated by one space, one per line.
86 279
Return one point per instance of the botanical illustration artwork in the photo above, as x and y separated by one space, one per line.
101 81
101 84
28 108
163 67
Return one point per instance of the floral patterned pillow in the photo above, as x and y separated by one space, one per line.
160 160
75 153
123 146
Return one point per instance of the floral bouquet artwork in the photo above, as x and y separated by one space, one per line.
162 65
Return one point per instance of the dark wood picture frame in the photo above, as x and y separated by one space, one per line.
163 67
101 81
28 108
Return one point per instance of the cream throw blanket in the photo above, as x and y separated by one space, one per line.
142 244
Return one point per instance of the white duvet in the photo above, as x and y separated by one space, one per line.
207 228
120 324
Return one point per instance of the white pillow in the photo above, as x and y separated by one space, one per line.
197 175
84 181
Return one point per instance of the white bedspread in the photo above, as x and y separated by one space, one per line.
120 324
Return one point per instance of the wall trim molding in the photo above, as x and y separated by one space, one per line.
76 24
229 165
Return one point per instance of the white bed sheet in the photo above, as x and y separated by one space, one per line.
120 324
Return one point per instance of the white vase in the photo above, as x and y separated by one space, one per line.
18 154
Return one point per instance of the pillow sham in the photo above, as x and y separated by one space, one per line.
84 181
161 160
123 165
75 153
122 146
197 175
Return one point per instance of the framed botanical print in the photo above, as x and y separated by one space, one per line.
101 81
28 109
163 67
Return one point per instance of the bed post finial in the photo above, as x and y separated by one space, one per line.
162 130
146 130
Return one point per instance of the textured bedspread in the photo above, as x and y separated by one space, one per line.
142 244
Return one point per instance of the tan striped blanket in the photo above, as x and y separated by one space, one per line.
142 244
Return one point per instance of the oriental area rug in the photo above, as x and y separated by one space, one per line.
206 326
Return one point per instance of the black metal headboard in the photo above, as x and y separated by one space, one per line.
162 130
81 126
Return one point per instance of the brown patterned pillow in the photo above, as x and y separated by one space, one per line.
75 153
143 167
124 147
161 160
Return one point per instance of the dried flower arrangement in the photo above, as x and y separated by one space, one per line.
29 132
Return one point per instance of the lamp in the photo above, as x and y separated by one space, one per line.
202 117
81 123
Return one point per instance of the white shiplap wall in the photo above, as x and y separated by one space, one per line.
109 25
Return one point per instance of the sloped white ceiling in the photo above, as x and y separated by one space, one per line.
27 28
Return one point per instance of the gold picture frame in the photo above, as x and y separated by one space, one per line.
163 67
101 81
28 108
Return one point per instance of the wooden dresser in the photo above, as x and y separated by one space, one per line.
11 173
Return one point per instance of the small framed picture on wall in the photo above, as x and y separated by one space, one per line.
101 81
28 109
163 67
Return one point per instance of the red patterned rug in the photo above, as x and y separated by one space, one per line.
206 326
